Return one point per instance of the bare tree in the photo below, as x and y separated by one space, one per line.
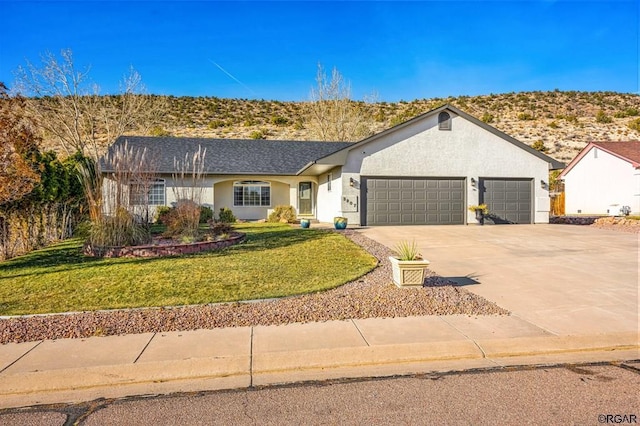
69 109
331 114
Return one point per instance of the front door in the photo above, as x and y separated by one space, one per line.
305 200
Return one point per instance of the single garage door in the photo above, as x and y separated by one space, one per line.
413 201
508 200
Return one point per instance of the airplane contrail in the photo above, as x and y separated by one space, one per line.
232 77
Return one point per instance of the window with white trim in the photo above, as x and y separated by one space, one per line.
147 194
251 193
329 179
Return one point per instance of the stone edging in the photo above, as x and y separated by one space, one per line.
573 220
151 250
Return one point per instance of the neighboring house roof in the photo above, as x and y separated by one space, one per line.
340 156
230 156
626 150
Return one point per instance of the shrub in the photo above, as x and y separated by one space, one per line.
216 124
629 112
220 228
634 124
279 120
554 125
282 214
487 118
257 134
159 131
226 215
539 146
601 117
183 219
122 229
161 213
525 116
206 214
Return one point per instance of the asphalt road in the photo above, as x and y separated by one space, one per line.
567 394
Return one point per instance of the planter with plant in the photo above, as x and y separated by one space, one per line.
408 266
305 223
340 222
481 211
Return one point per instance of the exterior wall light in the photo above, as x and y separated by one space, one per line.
352 182
543 184
474 183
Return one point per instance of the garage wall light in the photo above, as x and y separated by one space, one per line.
473 182
352 182
543 184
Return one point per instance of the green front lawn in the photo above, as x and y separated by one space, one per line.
275 260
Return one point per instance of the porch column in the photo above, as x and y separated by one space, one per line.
293 195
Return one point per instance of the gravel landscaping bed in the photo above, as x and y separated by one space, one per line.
373 295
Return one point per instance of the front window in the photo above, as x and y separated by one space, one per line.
147 194
248 193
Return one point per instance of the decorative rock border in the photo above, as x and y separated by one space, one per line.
573 220
161 250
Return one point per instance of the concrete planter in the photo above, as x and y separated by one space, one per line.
408 272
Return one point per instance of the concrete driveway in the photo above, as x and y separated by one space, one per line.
562 278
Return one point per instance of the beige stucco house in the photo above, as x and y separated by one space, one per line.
427 170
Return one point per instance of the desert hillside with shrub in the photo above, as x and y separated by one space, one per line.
558 123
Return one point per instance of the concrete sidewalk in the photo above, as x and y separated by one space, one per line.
74 370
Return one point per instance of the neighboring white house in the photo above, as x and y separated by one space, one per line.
427 170
603 179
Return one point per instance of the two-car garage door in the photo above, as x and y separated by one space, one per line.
414 201
441 201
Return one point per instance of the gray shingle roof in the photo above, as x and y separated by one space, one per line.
232 156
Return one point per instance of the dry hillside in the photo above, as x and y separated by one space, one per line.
560 122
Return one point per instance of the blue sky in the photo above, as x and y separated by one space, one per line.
270 50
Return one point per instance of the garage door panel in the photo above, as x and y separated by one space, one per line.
394 201
508 200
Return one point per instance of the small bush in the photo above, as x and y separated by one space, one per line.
159 131
634 124
215 124
183 219
282 214
554 125
122 229
206 214
487 118
226 215
539 146
601 117
525 116
161 213
257 134
279 120
220 228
